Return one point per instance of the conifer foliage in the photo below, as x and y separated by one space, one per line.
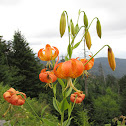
19 67
28 66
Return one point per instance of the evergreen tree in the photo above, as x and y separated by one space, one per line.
106 108
29 68
5 70
122 84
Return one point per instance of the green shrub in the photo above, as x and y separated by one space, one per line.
23 115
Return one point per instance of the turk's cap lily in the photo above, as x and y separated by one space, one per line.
14 97
47 76
72 68
49 53
78 96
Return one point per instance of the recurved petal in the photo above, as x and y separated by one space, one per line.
41 55
56 53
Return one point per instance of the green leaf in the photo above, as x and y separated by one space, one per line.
67 122
54 89
85 20
69 49
49 123
64 105
43 110
76 45
56 105
61 82
72 40
69 109
68 92
76 29
66 58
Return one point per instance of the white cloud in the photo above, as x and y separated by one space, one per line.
39 22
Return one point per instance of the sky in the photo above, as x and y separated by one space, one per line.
38 21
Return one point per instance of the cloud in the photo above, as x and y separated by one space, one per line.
9 2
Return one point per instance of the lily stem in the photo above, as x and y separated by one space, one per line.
96 54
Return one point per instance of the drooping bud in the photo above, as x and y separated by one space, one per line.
62 24
85 20
111 59
88 39
98 28
72 28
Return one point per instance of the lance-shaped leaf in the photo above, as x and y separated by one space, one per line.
62 24
88 39
76 29
76 45
49 123
69 50
56 105
85 20
54 89
64 105
72 28
61 82
67 122
98 28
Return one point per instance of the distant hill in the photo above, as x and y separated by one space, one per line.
119 71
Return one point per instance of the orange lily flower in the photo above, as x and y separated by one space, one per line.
47 53
12 96
47 77
79 99
72 68
89 65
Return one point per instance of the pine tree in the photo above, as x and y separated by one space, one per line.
24 59
4 74
122 84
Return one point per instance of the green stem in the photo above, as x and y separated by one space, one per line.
33 110
30 106
68 28
62 118
96 54
72 109
91 22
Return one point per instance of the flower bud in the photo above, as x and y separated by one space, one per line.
111 59
88 40
62 24
98 28
72 28
85 20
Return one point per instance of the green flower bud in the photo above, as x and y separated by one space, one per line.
98 28
111 59
62 24
85 20
72 28
88 40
